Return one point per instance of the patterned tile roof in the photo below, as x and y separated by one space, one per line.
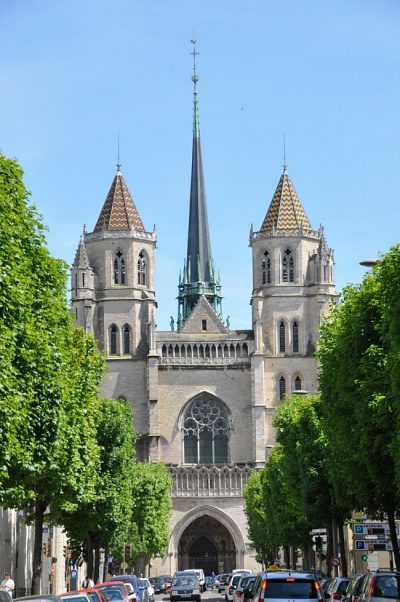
286 214
119 211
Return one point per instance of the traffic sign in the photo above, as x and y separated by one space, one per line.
371 528
335 561
124 565
372 544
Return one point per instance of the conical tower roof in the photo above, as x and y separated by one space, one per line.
81 257
119 211
286 214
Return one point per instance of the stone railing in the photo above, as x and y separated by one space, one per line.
223 353
209 481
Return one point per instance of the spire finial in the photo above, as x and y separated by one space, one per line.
195 79
118 163
284 154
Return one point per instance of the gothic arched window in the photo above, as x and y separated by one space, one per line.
119 268
141 269
295 337
288 266
282 337
266 268
297 383
206 429
282 387
126 339
113 339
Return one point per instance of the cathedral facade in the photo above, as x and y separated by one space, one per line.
203 394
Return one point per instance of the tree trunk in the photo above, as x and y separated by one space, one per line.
103 577
393 538
342 548
286 556
89 562
40 508
96 571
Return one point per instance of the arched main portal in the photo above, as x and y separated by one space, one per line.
206 544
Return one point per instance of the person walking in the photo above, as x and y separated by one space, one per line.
88 583
7 585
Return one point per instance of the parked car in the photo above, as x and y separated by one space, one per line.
39 598
241 586
231 587
149 587
287 585
116 590
353 589
95 595
248 591
337 588
222 582
161 584
80 595
5 596
185 587
133 580
380 586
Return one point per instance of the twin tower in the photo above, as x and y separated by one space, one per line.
204 395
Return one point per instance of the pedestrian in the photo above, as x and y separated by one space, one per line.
87 583
7 585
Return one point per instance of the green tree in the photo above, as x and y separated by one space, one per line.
50 375
358 407
258 524
152 506
105 521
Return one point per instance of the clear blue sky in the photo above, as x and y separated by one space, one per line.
326 73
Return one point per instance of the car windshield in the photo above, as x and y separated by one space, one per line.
181 581
74 598
290 588
387 586
112 592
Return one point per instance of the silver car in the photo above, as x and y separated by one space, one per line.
285 586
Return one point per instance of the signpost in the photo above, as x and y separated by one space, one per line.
372 545
371 528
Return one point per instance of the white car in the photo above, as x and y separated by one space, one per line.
150 588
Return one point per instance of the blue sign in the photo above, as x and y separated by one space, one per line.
358 528
74 573
360 544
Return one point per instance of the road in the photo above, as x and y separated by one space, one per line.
210 594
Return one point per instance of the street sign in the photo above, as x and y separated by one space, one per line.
371 528
124 565
335 561
372 544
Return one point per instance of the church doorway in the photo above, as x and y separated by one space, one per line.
207 544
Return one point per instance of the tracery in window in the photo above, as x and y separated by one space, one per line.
266 268
282 387
141 269
282 337
206 429
288 267
119 268
295 337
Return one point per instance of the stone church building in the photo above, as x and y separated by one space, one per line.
203 394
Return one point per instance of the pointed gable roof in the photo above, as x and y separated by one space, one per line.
119 211
203 311
286 214
81 257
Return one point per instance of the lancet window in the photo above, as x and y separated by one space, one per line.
282 387
295 337
206 429
126 339
141 269
282 337
297 383
113 339
266 268
119 268
287 266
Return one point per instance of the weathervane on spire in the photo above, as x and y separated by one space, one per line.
195 77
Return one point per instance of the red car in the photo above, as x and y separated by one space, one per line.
116 590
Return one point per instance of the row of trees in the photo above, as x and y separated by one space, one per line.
65 453
338 451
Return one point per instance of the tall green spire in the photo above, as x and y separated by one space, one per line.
200 271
